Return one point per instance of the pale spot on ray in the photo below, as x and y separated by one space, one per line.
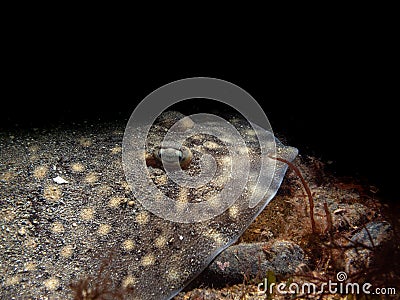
226 139
33 148
8 214
52 283
57 227
211 145
148 260
31 243
126 186
8 176
172 276
226 162
161 179
142 218
222 180
176 276
67 251
117 132
217 237
77 167
233 211
129 281
40 172
250 132
22 231
242 151
116 201
235 120
104 229
13 280
252 185
181 205
160 241
183 195
128 245
117 163
85 142
197 137
197 148
33 157
91 178
158 197
87 213
214 202
104 190
30 266
116 150
52 193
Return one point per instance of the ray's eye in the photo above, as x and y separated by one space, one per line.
180 156
170 156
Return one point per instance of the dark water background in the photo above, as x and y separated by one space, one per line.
342 111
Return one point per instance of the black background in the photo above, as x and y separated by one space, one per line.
337 106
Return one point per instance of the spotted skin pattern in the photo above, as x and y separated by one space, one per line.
55 234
